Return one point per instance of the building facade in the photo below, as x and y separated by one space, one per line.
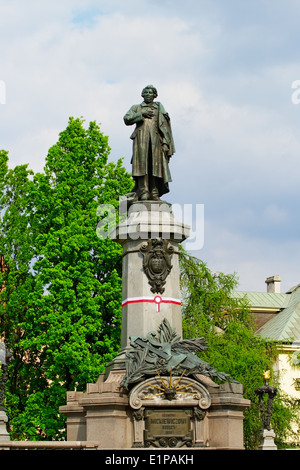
278 319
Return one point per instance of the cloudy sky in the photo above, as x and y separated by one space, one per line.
225 72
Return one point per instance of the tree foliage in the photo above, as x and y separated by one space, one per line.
210 310
60 306
60 290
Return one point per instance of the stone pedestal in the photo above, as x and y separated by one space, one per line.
267 440
149 296
100 414
225 416
150 395
4 436
201 416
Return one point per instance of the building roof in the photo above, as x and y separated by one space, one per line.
285 325
264 299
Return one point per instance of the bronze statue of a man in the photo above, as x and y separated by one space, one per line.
153 146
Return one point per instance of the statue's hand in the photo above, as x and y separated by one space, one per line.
148 114
165 149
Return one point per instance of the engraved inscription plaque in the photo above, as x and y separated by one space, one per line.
168 427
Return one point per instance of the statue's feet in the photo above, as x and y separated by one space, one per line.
145 197
154 196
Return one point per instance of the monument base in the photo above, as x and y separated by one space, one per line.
157 393
159 412
267 440
4 435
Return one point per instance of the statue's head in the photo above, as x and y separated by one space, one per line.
149 88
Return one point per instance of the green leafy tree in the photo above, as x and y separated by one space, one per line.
71 321
211 311
61 289
16 254
16 249
16 277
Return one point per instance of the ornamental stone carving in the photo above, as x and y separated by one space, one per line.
157 262
165 353
154 392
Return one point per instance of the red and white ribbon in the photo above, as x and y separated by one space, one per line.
156 300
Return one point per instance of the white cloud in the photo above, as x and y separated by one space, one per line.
224 73
60 70
252 258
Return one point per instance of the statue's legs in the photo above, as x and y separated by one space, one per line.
146 187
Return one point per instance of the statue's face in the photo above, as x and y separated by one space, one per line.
148 95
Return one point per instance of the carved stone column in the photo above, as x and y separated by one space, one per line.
198 417
138 427
4 436
151 292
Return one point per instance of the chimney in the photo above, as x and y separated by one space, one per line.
273 284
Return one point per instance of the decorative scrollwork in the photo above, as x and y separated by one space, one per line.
138 415
199 414
155 392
